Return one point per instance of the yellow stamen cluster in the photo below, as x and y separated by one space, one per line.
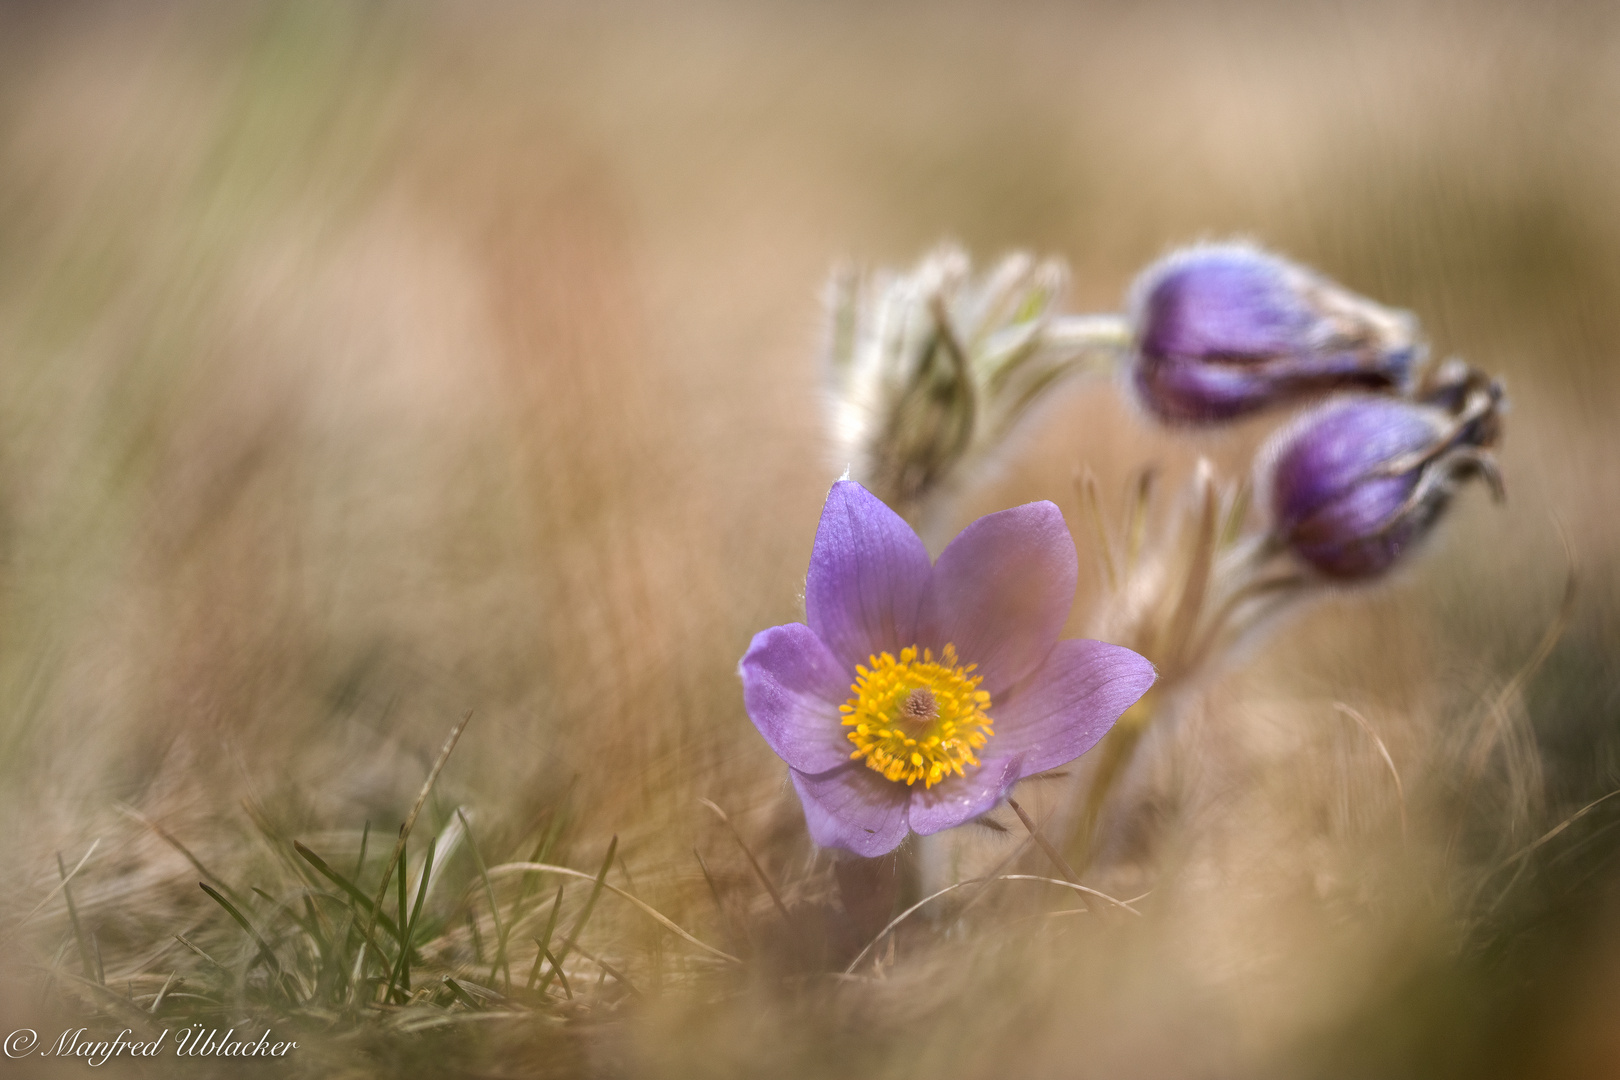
917 719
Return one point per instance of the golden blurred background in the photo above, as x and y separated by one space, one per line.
362 364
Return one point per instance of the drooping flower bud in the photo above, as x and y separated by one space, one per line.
1224 330
1359 480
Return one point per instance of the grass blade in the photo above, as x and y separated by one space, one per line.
182 939
719 905
157 1002
402 969
544 940
557 970
494 908
422 886
609 969
1091 504
404 921
410 822
584 915
281 979
360 863
169 838
641 905
73 916
770 886
346 885
1136 519
60 886
460 994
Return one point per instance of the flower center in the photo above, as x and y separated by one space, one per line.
917 719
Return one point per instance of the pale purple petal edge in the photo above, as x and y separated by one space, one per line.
866 578
853 808
1001 592
792 687
960 798
1067 706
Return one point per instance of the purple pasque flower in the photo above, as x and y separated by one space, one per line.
1357 481
1227 329
914 696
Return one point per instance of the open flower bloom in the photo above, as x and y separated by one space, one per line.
918 694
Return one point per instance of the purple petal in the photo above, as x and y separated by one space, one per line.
853 808
1001 592
1333 448
1061 711
958 798
792 687
867 575
1231 302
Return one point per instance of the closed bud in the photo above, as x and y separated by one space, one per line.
904 395
1359 480
1224 330
929 370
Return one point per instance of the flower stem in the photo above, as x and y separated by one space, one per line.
1116 754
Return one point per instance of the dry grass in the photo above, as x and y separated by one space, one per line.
363 366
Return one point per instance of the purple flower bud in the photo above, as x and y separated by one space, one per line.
1224 330
1357 481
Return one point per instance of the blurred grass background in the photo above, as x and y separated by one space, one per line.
361 364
